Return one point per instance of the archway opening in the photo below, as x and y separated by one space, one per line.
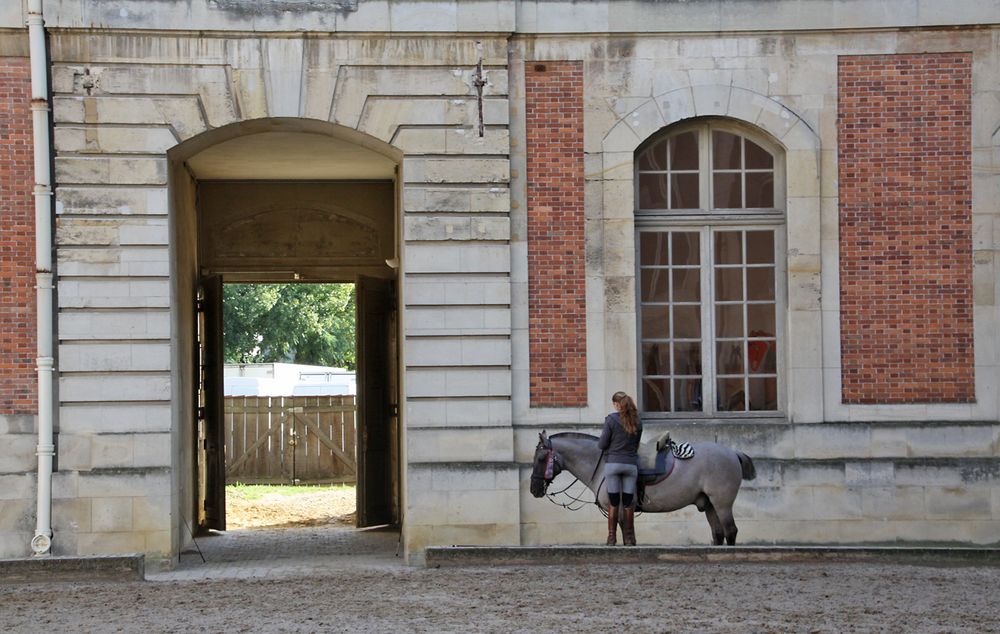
285 201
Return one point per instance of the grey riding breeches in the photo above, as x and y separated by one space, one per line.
620 478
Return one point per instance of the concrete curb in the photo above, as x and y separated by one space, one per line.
456 556
96 568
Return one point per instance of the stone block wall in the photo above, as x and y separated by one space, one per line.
117 112
905 180
831 471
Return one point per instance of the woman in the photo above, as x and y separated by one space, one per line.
620 442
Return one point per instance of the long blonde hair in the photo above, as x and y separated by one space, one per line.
629 414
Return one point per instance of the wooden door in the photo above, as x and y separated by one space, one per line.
212 437
377 403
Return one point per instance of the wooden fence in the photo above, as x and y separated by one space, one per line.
281 439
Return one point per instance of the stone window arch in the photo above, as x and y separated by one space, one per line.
710 236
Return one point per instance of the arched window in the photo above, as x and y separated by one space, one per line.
710 225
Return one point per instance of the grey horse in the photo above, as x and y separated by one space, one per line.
710 479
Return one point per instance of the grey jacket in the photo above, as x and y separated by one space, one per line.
621 447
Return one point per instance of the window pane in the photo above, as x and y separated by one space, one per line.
764 394
653 247
655 358
655 322
652 191
760 247
654 285
656 395
729 320
684 151
655 157
687 395
760 320
760 190
725 150
685 248
687 322
729 284
684 194
726 190
687 357
730 395
687 285
729 357
728 247
757 158
762 357
760 283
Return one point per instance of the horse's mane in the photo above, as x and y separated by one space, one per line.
574 434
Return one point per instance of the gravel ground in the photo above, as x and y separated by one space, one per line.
742 598
323 576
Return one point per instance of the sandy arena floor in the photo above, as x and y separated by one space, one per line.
323 576
664 598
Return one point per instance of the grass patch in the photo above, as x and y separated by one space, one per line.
253 492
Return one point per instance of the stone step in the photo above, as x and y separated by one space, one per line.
456 556
82 568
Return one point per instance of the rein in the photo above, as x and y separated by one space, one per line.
574 499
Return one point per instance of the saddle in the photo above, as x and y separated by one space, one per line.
656 462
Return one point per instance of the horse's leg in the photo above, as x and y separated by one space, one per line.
715 523
728 524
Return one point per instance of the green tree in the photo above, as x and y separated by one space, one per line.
291 323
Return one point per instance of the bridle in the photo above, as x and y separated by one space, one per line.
552 469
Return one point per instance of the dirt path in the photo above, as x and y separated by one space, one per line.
650 598
312 507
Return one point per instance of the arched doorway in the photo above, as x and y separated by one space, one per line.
282 200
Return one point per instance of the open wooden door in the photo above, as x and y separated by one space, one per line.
211 430
378 491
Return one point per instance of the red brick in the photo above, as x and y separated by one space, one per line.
904 148
557 310
17 240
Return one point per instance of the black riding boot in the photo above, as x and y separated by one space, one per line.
613 526
628 526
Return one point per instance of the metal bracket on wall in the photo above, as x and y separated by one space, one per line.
480 82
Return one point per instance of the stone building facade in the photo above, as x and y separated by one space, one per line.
775 221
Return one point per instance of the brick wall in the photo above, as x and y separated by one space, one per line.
557 312
17 240
904 144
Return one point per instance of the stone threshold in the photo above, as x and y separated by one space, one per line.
77 568
457 556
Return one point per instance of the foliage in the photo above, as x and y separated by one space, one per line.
291 323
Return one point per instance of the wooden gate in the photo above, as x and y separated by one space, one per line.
281 439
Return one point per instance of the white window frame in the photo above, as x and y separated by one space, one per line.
706 222
704 129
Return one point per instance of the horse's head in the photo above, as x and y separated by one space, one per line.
545 466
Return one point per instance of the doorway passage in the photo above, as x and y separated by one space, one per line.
289 423
291 202
290 401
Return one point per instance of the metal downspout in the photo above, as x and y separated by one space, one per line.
41 543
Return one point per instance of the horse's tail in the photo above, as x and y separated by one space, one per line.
746 464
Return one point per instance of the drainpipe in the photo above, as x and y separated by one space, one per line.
41 543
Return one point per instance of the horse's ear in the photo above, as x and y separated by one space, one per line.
543 440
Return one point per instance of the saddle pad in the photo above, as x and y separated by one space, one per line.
682 450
